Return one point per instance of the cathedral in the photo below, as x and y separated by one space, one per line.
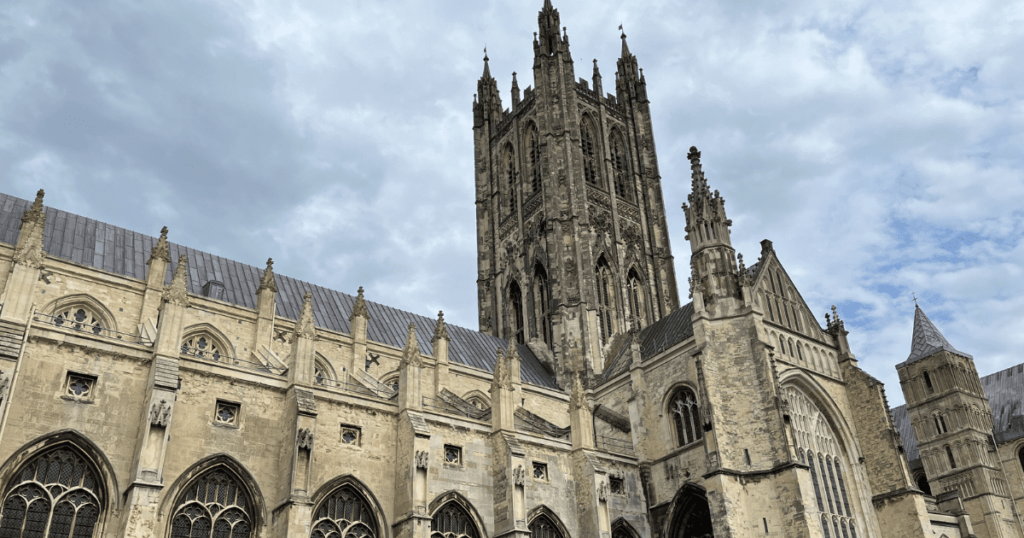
148 389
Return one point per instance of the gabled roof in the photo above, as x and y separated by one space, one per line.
927 339
109 248
1005 392
655 338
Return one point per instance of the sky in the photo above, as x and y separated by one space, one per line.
877 144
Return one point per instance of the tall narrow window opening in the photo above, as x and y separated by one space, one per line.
928 382
686 416
515 301
591 171
605 298
949 454
636 298
533 147
620 167
510 181
542 296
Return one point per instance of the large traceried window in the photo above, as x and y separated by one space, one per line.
533 158
591 169
515 301
685 416
345 513
215 505
543 527
827 464
605 300
620 167
56 494
452 521
542 300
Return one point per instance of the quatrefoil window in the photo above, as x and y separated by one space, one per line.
227 413
79 319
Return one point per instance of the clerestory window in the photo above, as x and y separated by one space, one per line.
685 416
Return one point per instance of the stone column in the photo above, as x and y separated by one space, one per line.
440 343
357 324
502 396
590 477
303 355
28 261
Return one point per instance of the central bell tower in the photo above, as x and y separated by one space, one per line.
573 248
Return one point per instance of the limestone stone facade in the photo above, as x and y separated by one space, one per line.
151 390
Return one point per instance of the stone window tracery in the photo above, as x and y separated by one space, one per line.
686 416
56 494
826 462
79 318
203 346
542 296
605 300
533 149
591 170
452 521
635 289
215 505
343 514
509 162
620 167
543 527
515 298
79 386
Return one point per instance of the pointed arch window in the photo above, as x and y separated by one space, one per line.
215 505
826 461
949 454
605 298
515 301
55 494
620 167
203 346
79 318
509 164
543 527
542 297
635 289
686 416
344 513
533 157
1020 456
591 170
452 521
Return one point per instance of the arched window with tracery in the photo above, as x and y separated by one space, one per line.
591 169
452 521
343 514
203 346
79 318
605 300
510 176
533 157
542 300
685 413
543 527
515 302
826 460
635 289
620 166
214 505
56 494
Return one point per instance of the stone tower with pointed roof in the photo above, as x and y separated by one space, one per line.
952 424
573 246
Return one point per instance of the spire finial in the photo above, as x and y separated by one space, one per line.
914 295
160 250
267 280
487 67
359 307
411 352
441 329
305 327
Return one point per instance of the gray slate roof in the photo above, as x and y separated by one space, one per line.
927 339
1005 392
117 250
655 338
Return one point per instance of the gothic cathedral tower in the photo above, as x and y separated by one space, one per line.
573 248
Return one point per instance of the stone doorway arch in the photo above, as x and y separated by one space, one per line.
691 515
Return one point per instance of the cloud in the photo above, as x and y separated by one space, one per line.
876 144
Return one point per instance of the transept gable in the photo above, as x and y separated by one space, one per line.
779 298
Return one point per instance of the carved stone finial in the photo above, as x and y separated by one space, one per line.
441 329
29 250
519 475
359 308
411 352
304 439
306 326
513 351
602 491
267 280
160 250
160 413
578 399
422 459
502 377
177 292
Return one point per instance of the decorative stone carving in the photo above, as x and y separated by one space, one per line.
519 475
29 250
578 399
631 235
305 327
411 351
422 459
304 439
602 491
160 251
502 373
359 308
160 413
177 292
5 383
267 280
441 329
602 222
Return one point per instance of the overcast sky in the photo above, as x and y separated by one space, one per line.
878 144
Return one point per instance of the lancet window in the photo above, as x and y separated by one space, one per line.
533 157
509 163
620 167
826 461
344 513
215 505
452 521
543 527
591 170
685 414
635 289
56 494
515 301
605 298
542 298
